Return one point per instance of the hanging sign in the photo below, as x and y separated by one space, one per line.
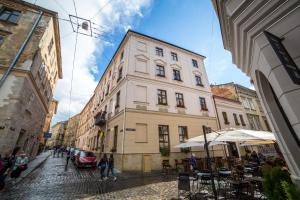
284 56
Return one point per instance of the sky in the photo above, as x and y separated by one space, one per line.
191 24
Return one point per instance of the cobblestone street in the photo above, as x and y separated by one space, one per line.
53 181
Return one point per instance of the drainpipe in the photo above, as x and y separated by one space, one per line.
21 49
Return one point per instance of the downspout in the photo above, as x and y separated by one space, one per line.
21 49
218 119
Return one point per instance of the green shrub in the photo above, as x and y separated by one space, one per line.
272 186
291 191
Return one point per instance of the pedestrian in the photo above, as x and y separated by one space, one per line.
193 162
54 151
19 165
68 157
111 167
5 165
102 165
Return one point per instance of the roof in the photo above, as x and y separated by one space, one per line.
226 99
149 37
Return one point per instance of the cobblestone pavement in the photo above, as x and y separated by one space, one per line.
53 181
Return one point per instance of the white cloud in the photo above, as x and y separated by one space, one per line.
115 15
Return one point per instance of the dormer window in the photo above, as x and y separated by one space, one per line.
122 55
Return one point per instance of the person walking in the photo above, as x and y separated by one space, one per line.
111 167
102 165
68 157
5 165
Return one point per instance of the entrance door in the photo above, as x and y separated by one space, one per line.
147 163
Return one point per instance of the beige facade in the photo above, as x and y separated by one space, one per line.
263 37
71 131
155 95
58 131
250 102
26 94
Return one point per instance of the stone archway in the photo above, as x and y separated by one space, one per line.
287 138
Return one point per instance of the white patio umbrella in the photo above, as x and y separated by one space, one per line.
257 142
235 135
198 144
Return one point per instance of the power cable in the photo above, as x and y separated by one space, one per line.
108 1
59 5
72 75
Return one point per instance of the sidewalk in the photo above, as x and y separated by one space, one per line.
40 159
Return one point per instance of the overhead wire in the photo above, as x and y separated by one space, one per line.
99 11
74 56
59 5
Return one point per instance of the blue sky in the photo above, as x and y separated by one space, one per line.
191 24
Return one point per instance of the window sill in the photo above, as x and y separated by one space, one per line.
180 107
227 123
204 109
161 76
177 80
243 124
201 85
8 22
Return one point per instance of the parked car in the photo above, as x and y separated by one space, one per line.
85 159
74 153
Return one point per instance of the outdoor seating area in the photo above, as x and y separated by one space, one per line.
239 182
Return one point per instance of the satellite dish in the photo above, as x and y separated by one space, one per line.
85 26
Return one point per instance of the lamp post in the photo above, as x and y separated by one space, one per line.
209 163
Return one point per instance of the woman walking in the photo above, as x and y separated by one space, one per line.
111 167
102 165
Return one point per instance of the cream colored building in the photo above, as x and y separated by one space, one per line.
250 103
155 95
71 131
26 93
58 131
263 37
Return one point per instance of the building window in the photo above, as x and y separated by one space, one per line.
114 149
164 138
160 71
203 103
122 55
179 100
236 119
9 15
107 90
162 97
120 74
198 81
50 46
118 100
225 118
242 120
174 56
159 51
266 123
109 73
176 74
42 71
183 135
1 39
195 63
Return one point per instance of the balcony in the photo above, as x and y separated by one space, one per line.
100 119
